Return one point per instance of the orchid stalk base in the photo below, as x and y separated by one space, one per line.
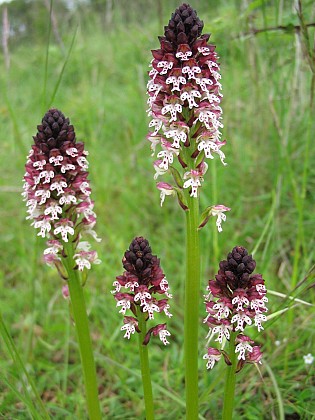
229 390
83 333
145 368
191 320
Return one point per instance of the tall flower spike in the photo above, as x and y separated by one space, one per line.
57 191
236 299
184 100
142 285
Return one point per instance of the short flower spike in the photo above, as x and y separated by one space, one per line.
57 191
143 284
235 300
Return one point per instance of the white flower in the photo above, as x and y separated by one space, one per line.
218 211
72 151
241 349
259 318
172 109
168 158
53 210
178 134
39 165
44 194
190 96
56 160
259 304
59 186
308 359
48 175
184 56
176 82
210 143
165 66
130 328
163 334
223 310
117 286
125 303
165 287
222 331
82 161
158 169
240 300
142 296
157 123
190 71
67 167
241 318
64 227
44 226
68 198
150 307
166 310
154 140
82 262
166 189
203 82
54 248
194 178
213 356
85 188
84 259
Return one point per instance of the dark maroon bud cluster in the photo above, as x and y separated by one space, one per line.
184 27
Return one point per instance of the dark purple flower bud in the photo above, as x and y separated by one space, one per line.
184 27
254 356
226 358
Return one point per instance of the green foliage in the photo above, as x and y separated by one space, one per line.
268 183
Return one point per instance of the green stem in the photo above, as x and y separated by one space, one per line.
145 368
83 333
228 402
215 239
191 319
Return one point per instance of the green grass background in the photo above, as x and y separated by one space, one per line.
99 80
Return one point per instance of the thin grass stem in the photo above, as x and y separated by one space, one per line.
63 69
277 391
47 57
23 373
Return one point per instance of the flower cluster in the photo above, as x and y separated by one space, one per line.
138 289
57 191
236 299
184 101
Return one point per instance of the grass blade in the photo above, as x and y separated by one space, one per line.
22 371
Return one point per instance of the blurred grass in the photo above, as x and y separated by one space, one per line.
268 123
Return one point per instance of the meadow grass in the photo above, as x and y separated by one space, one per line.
268 183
